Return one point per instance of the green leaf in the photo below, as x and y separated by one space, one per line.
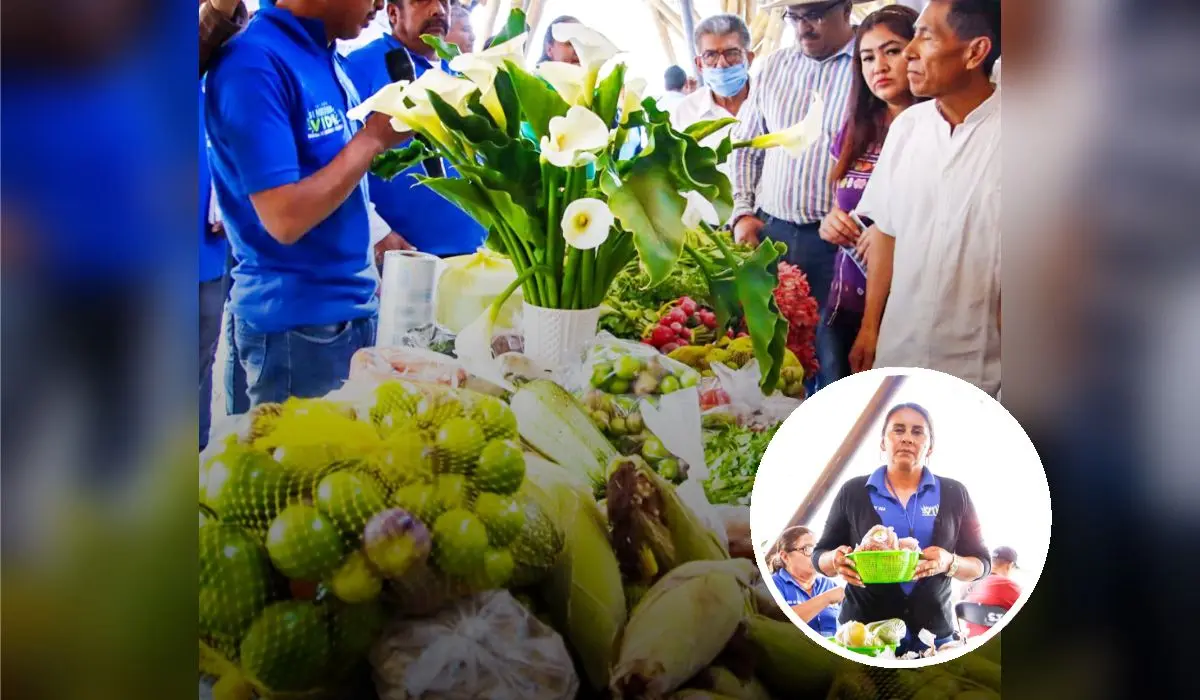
608 95
445 50
527 227
464 194
702 130
474 129
514 26
756 280
389 164
649 206
539 102
507 95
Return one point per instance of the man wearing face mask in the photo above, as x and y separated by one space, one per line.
779 196
723 58
418 217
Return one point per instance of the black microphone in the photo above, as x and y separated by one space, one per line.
400 67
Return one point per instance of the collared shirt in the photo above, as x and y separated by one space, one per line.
428 221
698 107
216 28
938 194
825 622
913 519
670 100
276 106
793 189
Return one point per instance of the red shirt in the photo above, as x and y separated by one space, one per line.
993 590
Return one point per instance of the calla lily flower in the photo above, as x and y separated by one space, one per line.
575 138
593 48
586 223
798 138
389 100
481 67
698 210
567 80
631 98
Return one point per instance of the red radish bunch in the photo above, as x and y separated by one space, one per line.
796 303
683 322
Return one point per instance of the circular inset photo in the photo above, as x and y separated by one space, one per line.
901 517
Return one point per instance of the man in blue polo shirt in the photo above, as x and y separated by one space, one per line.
422 218
289 172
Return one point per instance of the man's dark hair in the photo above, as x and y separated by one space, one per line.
675 78
971 19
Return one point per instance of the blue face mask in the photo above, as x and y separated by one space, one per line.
726 82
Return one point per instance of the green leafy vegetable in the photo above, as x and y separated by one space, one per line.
733 454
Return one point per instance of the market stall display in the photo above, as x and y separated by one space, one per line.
572 522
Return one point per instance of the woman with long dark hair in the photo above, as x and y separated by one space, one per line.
879 94
553 50
906 496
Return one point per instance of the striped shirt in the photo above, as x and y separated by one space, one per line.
795 190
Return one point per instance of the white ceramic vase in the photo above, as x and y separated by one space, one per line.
557 338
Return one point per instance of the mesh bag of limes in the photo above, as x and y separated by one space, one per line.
318 515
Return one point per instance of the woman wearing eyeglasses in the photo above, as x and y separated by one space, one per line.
816 599
906 496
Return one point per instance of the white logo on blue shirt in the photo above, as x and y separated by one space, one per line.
323 121
929 511
881 509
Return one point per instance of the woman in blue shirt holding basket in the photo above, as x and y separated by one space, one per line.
906 496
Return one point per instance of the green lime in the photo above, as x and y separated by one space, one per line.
601 371
459 540
689 378
618 386
419 499
668 468
235 579
355 581
497 570
457 446
653 449
501 467
501 515
452 491
627 367
350 499
304 544
495 417
287 648
669 384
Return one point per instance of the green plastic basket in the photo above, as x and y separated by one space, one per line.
886 567
865 651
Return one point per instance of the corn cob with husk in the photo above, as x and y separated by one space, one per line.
721 680
789 663
930 683
583 592
681 625
653 530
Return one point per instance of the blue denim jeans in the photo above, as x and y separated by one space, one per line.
212 303
815 258
840 330
306 361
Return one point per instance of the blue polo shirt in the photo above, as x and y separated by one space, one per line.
276 107
212 248
825 622
423 217
916 518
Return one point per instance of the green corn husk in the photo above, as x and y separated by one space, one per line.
648 518
789 663
724 682
583 593
681 625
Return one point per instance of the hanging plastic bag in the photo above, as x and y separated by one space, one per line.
486 646
468 286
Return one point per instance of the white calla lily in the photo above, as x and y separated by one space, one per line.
631 98
389 100
567 80
586 223
698 210
575 138
798 138
593 48
481 67
454 91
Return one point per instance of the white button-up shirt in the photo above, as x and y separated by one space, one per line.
700 107
938 194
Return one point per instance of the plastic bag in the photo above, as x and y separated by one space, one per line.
879 539
909 543
486 646
469 285
381 364
620 367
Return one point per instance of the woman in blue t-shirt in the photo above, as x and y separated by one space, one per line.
816 599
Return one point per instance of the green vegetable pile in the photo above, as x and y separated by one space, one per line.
733 453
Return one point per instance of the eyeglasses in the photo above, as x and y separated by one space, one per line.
732 57
817 16
806 551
